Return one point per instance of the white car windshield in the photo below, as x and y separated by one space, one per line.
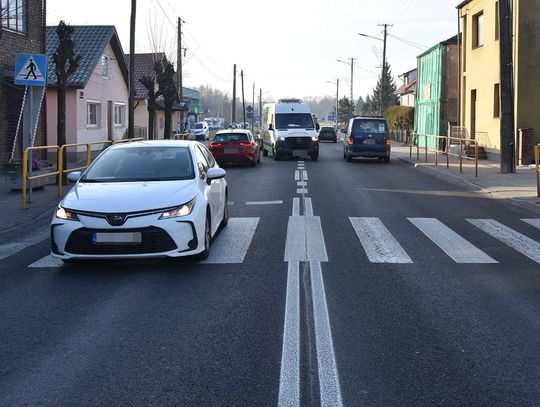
294 120
141 164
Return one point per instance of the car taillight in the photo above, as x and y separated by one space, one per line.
351 140
246 145
215 145
388 141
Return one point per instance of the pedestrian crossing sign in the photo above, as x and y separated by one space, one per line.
31 69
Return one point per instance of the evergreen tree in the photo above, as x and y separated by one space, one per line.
344 109
388 96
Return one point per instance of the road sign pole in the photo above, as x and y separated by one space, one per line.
28 139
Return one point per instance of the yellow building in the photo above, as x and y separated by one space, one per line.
480 71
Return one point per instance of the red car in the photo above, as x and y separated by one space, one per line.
235 146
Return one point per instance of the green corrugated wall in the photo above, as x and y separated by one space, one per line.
429 94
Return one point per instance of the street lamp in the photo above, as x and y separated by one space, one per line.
352 71
337 99
383 64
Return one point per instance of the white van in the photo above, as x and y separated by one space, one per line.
288 129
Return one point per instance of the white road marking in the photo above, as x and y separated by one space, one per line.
309 207
304 175
233 242
533 222
510 237
37 236
455 246
302 191
289 381
264 202
296 207
297 175
378 242
301 184
47 262
330 391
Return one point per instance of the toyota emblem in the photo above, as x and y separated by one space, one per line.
115 220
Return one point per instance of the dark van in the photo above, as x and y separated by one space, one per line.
367 137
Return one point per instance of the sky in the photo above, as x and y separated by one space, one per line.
287 48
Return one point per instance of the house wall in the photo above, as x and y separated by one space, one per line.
528 67
97 89
10 95
480 72
101 89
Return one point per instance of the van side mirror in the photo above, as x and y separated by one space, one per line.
270 127
317 126
342 130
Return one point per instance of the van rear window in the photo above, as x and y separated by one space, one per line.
369 126
294 120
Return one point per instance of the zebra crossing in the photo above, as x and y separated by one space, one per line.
378 243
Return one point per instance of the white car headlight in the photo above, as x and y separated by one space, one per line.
315 138
281 138
179 211
61 213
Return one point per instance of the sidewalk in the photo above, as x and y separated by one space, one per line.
519 187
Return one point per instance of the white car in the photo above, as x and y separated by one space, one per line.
200 131
163 198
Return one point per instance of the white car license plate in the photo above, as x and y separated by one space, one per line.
117 238
230 150
298 153
369 141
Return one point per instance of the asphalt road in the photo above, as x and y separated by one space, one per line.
357 284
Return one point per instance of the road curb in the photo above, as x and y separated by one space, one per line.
469 185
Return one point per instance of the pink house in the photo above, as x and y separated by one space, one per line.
97 94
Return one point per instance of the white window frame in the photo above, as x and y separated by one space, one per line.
119 108
478 30
105 66
97 104
15 17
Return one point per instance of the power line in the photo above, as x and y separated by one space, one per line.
409 43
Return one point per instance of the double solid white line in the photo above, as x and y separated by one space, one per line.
305 243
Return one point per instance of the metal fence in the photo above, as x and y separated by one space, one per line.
446 141
60 152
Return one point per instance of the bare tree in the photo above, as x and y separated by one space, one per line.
150 84
166 89
66 63
5 6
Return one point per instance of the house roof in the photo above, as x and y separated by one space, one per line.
90 42
408 88
463 3
143 65
191 93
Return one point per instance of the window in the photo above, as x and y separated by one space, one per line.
496 100
105 66
497 21
119 114
478 30
13 15
93 114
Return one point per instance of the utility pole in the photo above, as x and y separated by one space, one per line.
260 106
352 75
233 114
383 72
179 73
337 102
243 100
508 163
253 111
131 97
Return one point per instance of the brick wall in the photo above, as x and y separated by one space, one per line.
11 43
525 153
